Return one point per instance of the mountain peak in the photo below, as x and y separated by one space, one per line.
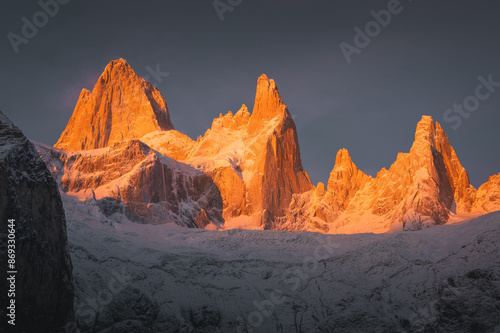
241 117
119 70
343 158
345 180
121 106
268 103
425 130
117 63
265 83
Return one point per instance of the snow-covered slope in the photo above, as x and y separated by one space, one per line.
164 278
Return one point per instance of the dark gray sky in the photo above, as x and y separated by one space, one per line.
425 60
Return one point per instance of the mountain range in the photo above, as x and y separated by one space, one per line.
121 154
101 243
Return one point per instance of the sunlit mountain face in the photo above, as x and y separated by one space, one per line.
362 195
154 231
246 171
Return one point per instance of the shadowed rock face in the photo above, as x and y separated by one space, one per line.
122 106
29 194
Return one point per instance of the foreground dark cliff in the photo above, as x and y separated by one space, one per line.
29 195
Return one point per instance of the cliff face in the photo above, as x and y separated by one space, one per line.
488 195
345 180
277 172
317 209
29 194
255 158
122 106
248 165
154 188
420 189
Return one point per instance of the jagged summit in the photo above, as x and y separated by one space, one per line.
254 161
254 158
343 159
421 188
121 106
268 103
488 195
345 180
444 167
267 98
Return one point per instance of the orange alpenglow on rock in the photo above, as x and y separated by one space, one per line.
268 103
246 171
277 169
122 106
421 188
488 195
265 169
345 180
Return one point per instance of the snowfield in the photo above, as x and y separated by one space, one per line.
164 278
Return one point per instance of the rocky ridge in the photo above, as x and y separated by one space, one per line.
253 159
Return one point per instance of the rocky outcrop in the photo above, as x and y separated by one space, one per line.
420 189
268 103
488 195
29 195
155 189
345 180
277 171
170 143
122 106
254 159
316 209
